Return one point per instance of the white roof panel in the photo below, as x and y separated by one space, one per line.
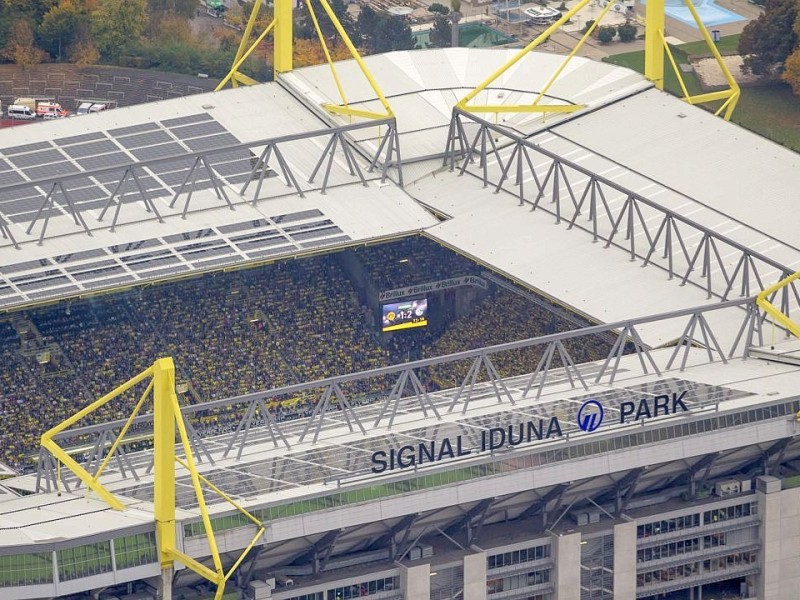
722 165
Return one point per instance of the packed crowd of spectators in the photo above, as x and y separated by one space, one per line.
502 317
235 333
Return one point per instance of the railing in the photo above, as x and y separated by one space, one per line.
549 360
582 199
338 153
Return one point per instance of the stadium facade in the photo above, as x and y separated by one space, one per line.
666 469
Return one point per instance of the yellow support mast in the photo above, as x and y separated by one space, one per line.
167 419
282 28
655 47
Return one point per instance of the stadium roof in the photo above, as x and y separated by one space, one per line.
340 460
718 178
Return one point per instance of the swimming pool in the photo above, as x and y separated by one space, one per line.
471 35
710 13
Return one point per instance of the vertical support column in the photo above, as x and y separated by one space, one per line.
653 46
566 551
283 36
780 540
625 560
416 582
164 466
475 576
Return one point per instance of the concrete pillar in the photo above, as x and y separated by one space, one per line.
475 576
416 582
779 511
625 560
165 584
567 557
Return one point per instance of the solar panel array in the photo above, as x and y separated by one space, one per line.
118 148
158 257
297 468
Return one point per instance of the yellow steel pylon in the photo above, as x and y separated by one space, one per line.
166 418
762 299
655 47
282 26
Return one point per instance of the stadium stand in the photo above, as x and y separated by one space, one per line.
239 332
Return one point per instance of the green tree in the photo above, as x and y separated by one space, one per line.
606 33
440 32
183 8
61 26
305 25
368 23
626 32
395 33
117 25
438 8
768 41
20 48
791 71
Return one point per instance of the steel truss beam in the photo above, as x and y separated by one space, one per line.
545 363
386 156
541 505
149 206
246 424
471 521
616 215
322 407
405 377
389 537
471 378
49 204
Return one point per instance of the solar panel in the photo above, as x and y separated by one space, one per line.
206 264
211 142
197 130
108 281
326 241
26 265
305 214
26 148
178 121
44 157
52 293
101 147
10 177
150 138
243 226
47 171
42 283
79 139
130 246
158 151
124 131
82 255
318 233
104 160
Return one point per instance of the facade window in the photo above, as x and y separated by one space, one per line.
668 550
136 550
84 561
312 596
729 513
668 525
26 569
364 588
516 557
515 582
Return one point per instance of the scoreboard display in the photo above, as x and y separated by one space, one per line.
405 315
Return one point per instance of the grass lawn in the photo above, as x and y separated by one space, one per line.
771 111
